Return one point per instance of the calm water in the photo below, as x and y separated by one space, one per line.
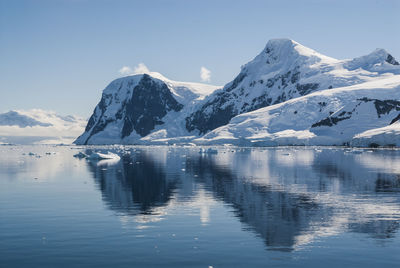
176 207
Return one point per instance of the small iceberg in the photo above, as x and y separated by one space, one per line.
100 156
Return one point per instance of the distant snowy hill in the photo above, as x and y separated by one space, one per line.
287 95
39 126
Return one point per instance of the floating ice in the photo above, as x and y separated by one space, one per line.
100 156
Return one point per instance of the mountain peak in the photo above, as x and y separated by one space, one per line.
280 42
278 48
282 47
378 60
284 51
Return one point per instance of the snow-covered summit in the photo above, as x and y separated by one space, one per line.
286 53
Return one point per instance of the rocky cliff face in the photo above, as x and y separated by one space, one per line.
149 103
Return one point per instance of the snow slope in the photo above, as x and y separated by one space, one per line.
328 117
135 106
383 136
39 126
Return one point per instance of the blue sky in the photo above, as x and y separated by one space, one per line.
59 55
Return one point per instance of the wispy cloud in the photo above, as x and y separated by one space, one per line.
125 70
205 74
141 69
138 69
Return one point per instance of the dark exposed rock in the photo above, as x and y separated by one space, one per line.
305 89
383 106
100 126
219 117
390 59
150 102
102 107
295 76
261 102
90 123
270 82
397 118
236 81
321 105
120 113
330 121
281 98
285 78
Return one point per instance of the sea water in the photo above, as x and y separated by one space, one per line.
199 207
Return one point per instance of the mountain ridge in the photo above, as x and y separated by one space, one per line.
185 112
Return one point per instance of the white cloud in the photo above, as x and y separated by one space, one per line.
125 70
205 74
141 69
138 69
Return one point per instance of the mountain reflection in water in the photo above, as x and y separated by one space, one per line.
288 197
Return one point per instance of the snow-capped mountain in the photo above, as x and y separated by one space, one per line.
143 105
282 71
39 126
288 94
